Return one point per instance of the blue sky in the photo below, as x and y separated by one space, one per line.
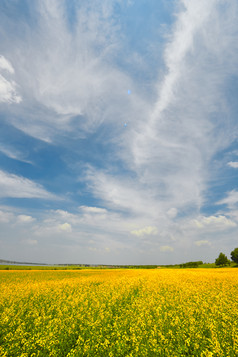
77 185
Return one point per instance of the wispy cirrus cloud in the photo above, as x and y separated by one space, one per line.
173 150
170 152
13 153
191 19
230 200
6 65
8 87
233 164
16 186
86 87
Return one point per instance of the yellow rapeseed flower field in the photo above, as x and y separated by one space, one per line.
116 313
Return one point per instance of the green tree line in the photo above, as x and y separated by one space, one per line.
222 259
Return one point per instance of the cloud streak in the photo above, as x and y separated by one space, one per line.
19 187
8 88
233 164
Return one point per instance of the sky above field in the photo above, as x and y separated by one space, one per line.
118 130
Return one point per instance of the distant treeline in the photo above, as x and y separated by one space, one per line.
191 264
139 266
183 265
34 266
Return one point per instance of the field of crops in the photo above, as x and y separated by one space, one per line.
119 313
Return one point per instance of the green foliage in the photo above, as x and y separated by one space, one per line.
234 255
222 260
139 266
208 266
191 264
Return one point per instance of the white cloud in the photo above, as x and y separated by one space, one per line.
53 225
13 154
122 193
189 22
86 84
16 186
93 221
6 65
22 218
214 222
233 164
8 214
149 230
5 217
231 200
8 92
166 248
201 243
96 210
62 215
172 212
65 227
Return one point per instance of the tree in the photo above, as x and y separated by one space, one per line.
222 260
234 255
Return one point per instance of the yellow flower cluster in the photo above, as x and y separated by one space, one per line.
115 313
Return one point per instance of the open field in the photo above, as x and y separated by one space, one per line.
192 312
